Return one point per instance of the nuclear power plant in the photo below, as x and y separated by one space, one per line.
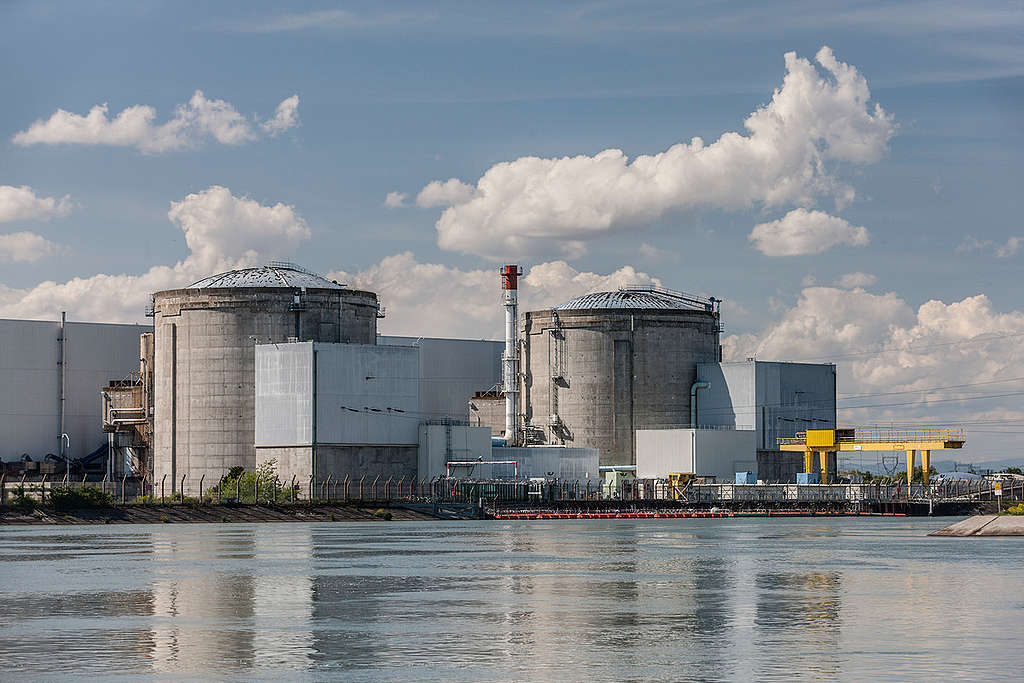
276 364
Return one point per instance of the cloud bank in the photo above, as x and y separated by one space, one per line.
222 231
430 299
195 121
22 204
788 155
802 232
24 247
882 343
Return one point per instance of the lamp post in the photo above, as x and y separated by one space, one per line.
65 439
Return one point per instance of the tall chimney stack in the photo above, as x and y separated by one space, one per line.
510 359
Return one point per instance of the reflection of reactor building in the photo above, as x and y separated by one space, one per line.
602 365
247 620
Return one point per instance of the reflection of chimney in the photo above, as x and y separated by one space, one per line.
510 359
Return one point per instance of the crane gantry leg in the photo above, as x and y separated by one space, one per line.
926 464
823 461
808 460
910 465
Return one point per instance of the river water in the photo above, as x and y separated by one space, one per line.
696 599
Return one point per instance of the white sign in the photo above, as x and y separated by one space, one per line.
999 488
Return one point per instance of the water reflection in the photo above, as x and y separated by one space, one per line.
678 599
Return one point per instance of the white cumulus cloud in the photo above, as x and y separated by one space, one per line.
395 200
22 204
1005 250
854 280
24 247
788 155
222 232
135 126
806 232
285 117
451 191
907 364
431 299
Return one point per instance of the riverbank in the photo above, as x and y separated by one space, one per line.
985 525
198 514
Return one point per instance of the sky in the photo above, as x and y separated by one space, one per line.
845 176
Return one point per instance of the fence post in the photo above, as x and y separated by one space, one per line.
373 488
387 489
238 485
124 495
181 491
361 486
42 490
325 488
84 477
201 487
3 487
293 489
220 489
344 488
162 489
311 491
256 489
400 482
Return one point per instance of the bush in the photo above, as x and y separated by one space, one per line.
1017 509
382 514
21 499
245 483
66 498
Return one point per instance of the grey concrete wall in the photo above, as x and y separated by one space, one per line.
488 412
205 367
30 383
780 466
451 371
337 462
606 373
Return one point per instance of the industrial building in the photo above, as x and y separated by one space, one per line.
51 376
278 363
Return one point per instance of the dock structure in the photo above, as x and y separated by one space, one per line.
822 442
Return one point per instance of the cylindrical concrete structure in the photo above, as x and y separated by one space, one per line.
603 365
204 374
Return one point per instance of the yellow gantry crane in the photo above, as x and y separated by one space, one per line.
826 441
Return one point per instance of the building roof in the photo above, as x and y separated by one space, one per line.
640 297
274 274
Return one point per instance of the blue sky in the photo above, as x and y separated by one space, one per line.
393 96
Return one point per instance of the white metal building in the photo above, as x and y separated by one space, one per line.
30 383
718 453
775 399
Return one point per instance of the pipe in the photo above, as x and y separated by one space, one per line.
63 377
693 401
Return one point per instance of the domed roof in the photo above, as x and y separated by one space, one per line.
640 297
274 274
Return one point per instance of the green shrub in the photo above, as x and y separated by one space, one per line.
66 497
1017 509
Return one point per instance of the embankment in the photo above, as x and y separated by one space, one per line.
191 514
985 525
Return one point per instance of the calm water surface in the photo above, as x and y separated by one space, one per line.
703 599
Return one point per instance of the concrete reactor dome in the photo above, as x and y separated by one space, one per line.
603 365
638 297
204 358
274 274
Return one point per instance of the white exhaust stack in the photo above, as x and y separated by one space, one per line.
510 359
